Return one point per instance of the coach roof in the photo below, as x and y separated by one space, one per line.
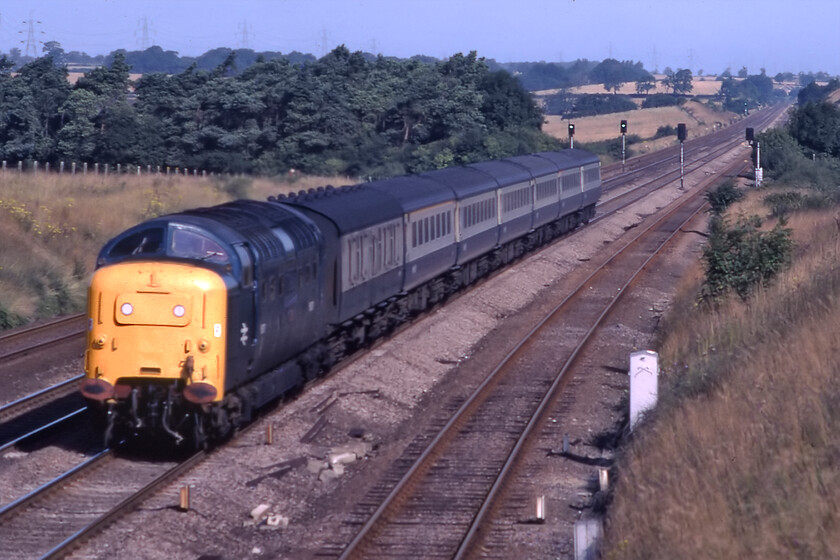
350 208
464 181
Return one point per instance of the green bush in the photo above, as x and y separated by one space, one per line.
665 130
235 186
785 202
739 258
662 100
723 196
10 320
612 148
588 105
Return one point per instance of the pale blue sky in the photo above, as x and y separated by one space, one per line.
708 35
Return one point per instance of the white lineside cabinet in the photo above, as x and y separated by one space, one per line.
644 373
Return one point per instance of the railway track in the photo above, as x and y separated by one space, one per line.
32 339
55 517
40 412
442 502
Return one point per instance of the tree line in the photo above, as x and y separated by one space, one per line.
341 114
806 150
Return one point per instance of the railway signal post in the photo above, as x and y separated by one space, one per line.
681 136
756 145
623 143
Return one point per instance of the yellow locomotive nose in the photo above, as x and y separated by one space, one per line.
148 319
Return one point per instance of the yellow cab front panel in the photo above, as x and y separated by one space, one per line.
155 321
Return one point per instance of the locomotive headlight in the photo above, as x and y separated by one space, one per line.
126 309
179 311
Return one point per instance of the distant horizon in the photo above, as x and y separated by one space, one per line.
655 72
704 35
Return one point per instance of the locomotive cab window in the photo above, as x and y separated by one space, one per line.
144 242
193 245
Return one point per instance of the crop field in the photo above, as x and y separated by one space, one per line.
699 119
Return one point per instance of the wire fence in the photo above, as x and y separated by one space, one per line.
85 168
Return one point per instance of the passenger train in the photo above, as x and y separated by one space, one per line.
198 318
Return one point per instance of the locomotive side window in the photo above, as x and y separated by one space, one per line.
192 245
144 242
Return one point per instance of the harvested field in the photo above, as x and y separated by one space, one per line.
699 119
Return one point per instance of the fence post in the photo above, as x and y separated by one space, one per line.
73 168
84 167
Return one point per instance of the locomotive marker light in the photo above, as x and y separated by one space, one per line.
571 136
681 136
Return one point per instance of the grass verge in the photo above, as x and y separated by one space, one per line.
742 457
